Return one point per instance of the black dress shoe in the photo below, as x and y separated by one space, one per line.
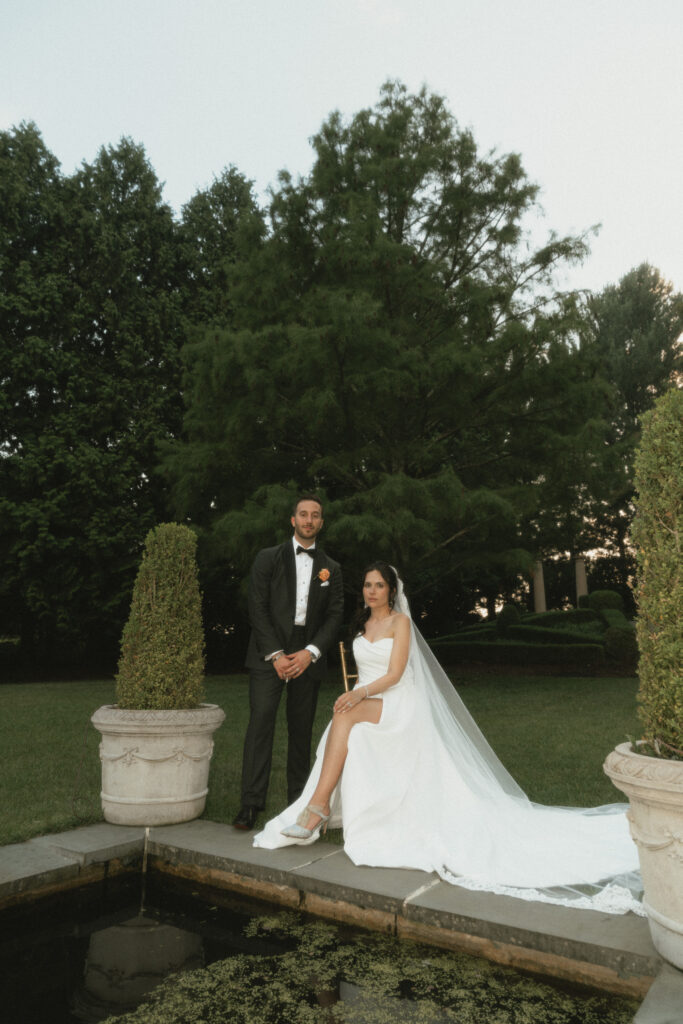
246 818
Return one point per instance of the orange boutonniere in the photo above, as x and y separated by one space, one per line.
324 575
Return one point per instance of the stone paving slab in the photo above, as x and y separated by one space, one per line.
322 867
94 844
211 845
59 859
30 865
337 877
621 941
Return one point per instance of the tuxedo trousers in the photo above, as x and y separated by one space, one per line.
265 693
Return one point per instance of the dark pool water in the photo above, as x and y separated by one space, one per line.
96 951
103 950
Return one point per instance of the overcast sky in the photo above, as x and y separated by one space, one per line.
590 92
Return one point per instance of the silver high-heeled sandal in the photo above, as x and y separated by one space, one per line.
299 831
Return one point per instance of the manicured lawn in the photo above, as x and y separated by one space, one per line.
551 733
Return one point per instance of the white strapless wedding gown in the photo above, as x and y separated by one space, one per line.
403 801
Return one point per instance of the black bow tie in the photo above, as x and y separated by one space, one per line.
305 551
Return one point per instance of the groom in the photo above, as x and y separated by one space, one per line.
295 610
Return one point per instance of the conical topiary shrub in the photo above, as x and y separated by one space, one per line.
651 772
657 533
162 647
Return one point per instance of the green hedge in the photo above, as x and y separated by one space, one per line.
621 646
573 659
507 616
656 533
537 635
615 618
10 654
573 616
162 649
470 633
599 600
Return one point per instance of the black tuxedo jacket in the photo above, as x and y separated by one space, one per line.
272 604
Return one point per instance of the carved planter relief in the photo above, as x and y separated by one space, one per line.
155 764
655 791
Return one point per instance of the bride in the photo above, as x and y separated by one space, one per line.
407 773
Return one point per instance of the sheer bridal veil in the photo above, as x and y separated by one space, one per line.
579 857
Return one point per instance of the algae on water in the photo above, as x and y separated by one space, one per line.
333 977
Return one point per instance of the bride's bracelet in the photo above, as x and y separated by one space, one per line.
366 693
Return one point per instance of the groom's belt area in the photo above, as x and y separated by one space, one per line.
297 638
298 641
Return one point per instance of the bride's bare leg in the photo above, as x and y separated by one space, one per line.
336 749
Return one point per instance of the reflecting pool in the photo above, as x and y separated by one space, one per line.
103 952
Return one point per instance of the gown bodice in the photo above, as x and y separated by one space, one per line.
372 659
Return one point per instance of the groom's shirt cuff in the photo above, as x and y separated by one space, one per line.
315 653
269 657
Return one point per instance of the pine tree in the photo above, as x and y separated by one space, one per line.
395 346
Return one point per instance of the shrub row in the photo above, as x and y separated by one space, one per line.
574 659
482 632
538 635
573 616
615 618
599 600
621 646
506 617
10 655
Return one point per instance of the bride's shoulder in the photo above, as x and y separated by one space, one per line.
400 622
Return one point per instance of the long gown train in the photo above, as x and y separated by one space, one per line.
413 794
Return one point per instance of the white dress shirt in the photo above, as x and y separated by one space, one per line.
304 574
304 571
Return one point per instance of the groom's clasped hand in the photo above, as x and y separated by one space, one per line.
289 666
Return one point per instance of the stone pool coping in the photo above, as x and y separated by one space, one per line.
608 951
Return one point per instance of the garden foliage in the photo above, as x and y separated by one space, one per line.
162 659
567 659
599 600
506 617
658 536
621 646
573 616
539 635
578 640
384 331
397 346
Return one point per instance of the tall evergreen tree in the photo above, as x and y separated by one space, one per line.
218 224
396 346
635 330
36 309
91 367
210 224
632 338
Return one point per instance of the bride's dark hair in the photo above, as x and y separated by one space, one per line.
389 576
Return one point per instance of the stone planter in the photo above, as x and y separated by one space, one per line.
155 764
655 790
